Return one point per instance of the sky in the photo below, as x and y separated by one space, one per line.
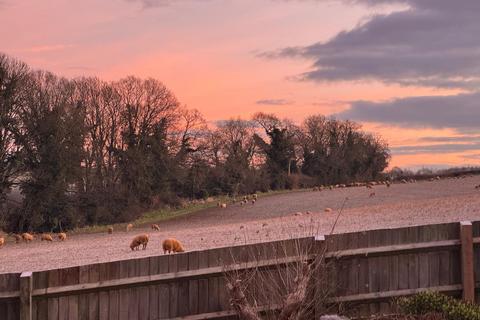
407 70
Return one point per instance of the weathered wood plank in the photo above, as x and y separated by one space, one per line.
386 274
374 269
403 260
193 297
93 298
133 301
203 283
173 267
413 264
377 296
153 290
426 246
83 277
163 290
124 293
40 280
113 272
26 288
183 286
53 310
468 280
143 269
73 277
213 282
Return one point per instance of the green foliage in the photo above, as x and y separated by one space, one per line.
434 302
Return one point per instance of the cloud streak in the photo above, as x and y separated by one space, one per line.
152 3
48 48
148 4
274 102
460 112
435 148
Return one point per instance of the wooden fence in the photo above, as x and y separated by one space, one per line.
370 267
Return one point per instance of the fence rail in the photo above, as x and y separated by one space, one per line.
371 268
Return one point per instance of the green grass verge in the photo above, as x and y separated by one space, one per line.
156 216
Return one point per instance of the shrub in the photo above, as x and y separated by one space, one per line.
434 302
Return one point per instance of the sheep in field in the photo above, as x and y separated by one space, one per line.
17 237
172 245
328 210
129 227
27 237
110 230
62 236
46 237
2 242
223 205
155 227
142 240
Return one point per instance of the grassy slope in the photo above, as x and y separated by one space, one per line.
160 215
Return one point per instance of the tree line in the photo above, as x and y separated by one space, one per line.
85 151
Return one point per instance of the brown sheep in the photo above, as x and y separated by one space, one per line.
2 241
62 236
46 237
110 230
141 239
155 227
129 227
172 245
27 237
328 210
17 237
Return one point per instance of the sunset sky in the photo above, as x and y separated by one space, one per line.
408 70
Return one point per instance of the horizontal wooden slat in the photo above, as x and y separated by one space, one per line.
393 249
226 313
212 271
365 297
9 294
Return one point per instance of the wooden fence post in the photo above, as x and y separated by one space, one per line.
319 249
468 281
26 286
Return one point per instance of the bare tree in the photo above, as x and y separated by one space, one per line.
294 290
13 75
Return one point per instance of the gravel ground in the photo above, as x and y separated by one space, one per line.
271 218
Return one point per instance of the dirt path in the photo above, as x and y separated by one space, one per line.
270 218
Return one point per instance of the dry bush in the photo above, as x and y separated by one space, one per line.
284 291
